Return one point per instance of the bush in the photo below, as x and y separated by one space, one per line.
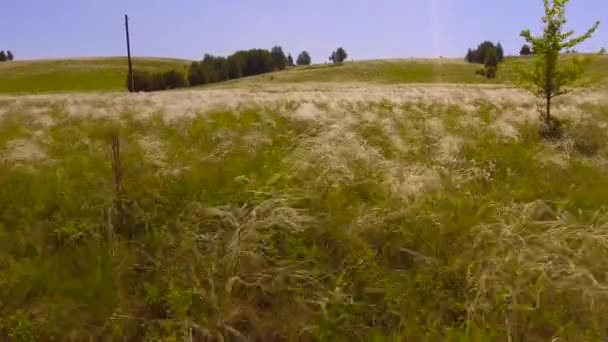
490 71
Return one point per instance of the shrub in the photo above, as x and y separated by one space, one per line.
490 71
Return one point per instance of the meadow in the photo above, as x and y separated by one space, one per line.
109 74
303 211
83 74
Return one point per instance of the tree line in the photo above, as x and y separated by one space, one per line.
212 69
6 56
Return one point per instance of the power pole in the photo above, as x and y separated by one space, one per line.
131 80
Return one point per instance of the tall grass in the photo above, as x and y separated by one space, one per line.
374 221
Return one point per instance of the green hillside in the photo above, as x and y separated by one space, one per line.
108 74
87 74
395 71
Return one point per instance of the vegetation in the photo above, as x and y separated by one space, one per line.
525 50
338 56
336 212
87 74
279 60
547 79
480 55
303 59
290 61
146 81
402 217
6 56
214 69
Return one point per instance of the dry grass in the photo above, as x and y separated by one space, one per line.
327 212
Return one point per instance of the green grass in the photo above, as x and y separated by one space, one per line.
109 74
256 224
398 71
89 74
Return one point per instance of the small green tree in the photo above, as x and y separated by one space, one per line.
525 50
602 51
303 58
9 55
545 78
3 56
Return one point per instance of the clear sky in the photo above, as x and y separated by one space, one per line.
366 28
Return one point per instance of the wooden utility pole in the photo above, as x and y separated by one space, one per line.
131 80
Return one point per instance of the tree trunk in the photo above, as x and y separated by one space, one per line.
548 110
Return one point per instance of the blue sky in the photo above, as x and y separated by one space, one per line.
366 28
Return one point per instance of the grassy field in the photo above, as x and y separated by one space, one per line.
64 75
397 71
109 74
329 212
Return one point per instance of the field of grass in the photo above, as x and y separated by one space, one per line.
396 71
109 74
325 213
63 75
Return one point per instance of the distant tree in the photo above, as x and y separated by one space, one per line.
195 75
289 60
479 55
602 51
174 79
469 56
3 56
491 63
338 56
235 66
545 78
303 58
279 61
9 55
491 59
525 50
500 53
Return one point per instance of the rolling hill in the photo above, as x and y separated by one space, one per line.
85 74
108 73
